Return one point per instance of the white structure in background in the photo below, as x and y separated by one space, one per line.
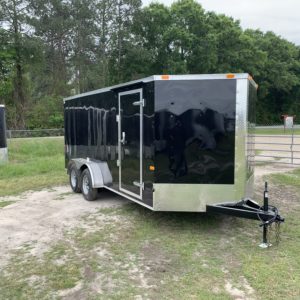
288 121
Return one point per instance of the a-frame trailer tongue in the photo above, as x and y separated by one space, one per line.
249 209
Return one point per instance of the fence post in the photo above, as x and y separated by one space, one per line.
292 152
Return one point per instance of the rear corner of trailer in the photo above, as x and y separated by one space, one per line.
201 127
246 96
250 136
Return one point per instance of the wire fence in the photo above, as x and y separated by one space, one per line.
280 123
12 134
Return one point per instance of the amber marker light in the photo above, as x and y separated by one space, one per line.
152 168
165 77
230 76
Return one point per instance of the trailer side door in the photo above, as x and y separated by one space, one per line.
130 142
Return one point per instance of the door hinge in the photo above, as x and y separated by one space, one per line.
136 183
137 103
118 118
118 163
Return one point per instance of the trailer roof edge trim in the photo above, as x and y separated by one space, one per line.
161 77
202 76
106 89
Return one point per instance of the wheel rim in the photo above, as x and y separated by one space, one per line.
85 185
73 178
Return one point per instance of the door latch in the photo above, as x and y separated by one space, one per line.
137 103
123 138
136 183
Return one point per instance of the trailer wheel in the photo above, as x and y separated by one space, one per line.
88 192
74 178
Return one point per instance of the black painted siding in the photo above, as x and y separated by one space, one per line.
3 143
91 130
195 131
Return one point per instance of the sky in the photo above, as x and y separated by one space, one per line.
279 16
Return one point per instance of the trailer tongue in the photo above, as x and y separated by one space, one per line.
249 209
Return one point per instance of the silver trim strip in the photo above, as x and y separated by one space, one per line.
107 89
203 76
128 197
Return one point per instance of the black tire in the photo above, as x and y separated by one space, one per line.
74 178
88 192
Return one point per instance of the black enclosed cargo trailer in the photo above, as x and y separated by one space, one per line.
170 143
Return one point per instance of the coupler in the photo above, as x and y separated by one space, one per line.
249 209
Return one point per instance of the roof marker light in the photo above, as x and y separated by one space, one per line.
230 76
165 77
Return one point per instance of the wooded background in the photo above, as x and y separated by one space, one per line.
55 48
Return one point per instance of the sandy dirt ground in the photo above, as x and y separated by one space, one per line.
41 217
268 169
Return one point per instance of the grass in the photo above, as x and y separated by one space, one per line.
124 252
290 178
127 252
276 131
33 163
6 203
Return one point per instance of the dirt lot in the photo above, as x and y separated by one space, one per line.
53 244
41 217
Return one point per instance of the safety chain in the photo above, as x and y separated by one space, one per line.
277 232
273 231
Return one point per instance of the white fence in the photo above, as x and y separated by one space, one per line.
283 149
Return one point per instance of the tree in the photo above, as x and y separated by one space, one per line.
54 48
121 38
52 24
278 77
82 53
13 14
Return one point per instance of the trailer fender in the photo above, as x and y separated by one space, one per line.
99 170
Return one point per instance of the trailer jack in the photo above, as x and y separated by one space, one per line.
249 209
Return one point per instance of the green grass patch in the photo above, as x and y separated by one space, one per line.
34 278
276 131
34 163
132 251
290 178
6 203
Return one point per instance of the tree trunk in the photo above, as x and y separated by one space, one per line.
19 95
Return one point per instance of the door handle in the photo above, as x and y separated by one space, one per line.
123 138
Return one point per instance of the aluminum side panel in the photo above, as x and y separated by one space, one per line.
190 197
3 155
241 139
